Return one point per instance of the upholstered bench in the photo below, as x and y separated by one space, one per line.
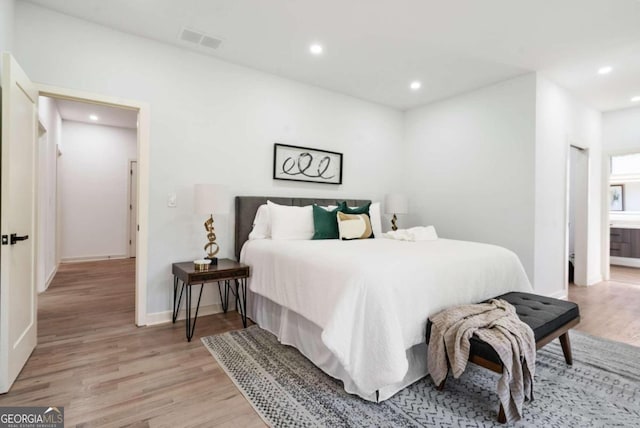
549 319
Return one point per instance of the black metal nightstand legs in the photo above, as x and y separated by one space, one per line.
177 303
176 308
241 299
191 324
224 300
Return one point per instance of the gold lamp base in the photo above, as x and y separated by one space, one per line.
394 225
212 248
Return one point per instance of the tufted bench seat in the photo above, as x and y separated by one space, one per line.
549 319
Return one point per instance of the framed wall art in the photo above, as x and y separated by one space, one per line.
616 197
296 163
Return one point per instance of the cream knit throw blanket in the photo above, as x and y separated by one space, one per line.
497 324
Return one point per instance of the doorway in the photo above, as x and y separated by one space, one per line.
93 178
623 205
133 222
577 215
22 190
46 265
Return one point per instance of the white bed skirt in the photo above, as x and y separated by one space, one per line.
293 329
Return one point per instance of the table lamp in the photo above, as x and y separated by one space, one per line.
210 198
395 204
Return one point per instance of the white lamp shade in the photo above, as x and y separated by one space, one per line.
396 204
210 198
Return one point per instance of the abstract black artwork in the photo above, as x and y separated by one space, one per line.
306 164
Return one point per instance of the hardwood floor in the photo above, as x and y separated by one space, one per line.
92 360
625 274
611 309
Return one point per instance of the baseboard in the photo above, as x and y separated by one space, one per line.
166 316
92 258
594 280
51 276
562 295
624 261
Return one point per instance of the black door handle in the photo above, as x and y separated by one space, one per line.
15 238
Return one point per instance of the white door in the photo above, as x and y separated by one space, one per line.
133 207
18 316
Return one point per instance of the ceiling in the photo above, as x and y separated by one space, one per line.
106 115
374 49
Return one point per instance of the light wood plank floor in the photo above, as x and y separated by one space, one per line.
92 360
107 372
611 309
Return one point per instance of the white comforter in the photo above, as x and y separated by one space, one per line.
372 297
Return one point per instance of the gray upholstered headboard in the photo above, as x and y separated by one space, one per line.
247 206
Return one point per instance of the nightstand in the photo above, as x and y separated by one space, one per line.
223 273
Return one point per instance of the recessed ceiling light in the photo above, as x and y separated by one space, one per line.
415 85
605 70
93 117
315 49
635 99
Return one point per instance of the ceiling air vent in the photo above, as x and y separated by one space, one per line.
210 42
191 36
199 38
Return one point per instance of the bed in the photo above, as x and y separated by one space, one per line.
358 309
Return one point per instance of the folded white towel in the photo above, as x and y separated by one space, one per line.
419 233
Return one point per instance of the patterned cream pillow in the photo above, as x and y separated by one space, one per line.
354 226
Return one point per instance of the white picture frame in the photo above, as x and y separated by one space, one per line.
616 197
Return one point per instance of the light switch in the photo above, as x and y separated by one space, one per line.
171 200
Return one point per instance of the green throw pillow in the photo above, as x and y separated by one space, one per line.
325 222
357 210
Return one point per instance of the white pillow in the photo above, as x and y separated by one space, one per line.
291 222
376 219
261 224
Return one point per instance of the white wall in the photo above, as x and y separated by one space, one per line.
561 120
621 131
490 166
632 196
6 27
94 177
469 164
48 257
486 166
211 121
620 135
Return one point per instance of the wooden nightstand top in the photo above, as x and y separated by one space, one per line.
224 270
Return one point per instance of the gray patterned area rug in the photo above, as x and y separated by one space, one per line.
601 389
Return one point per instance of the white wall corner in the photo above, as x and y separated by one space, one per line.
562 120
7 18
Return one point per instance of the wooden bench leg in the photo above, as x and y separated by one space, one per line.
441 386
566 348
502 418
